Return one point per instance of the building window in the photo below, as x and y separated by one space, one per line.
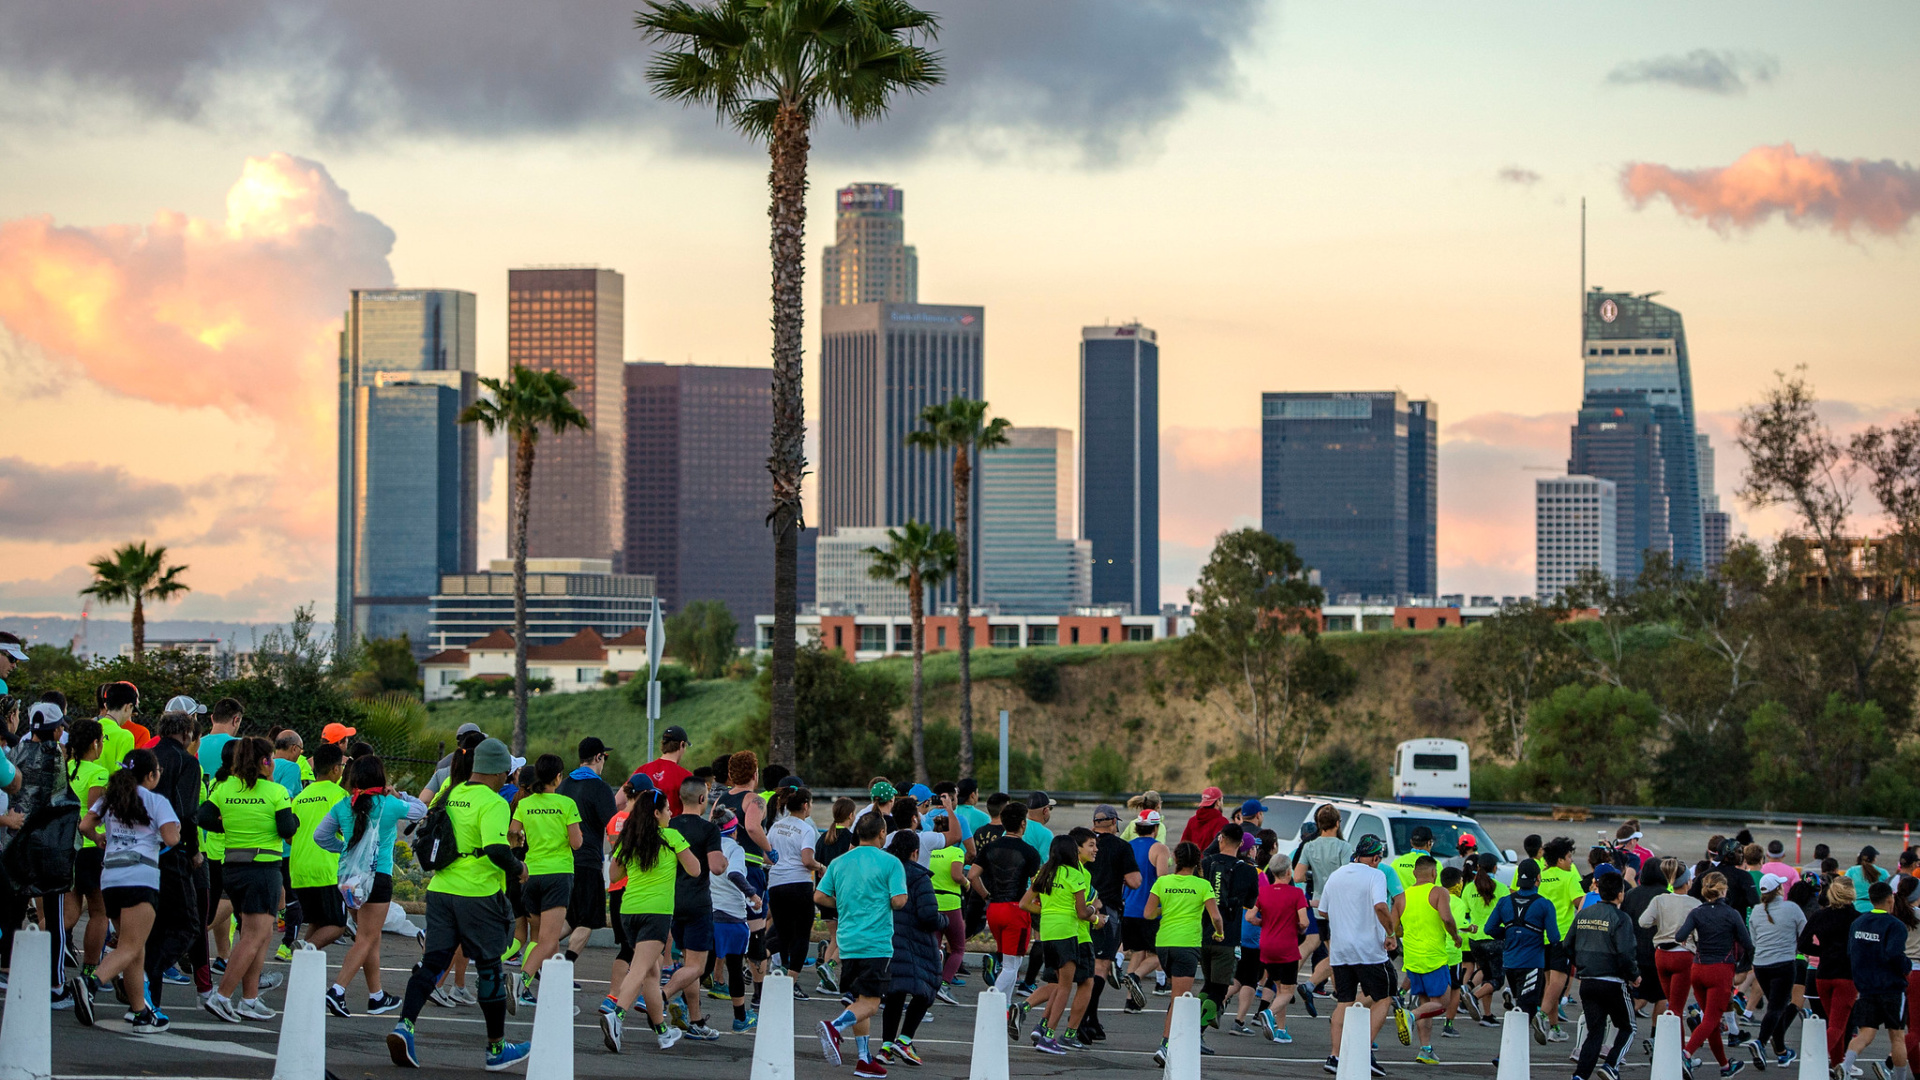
941 634
766 639
1043 635
586 674
1075 639
873 639
1004 637
448 678
903 637
1336 623
539 673
838 642
1139 633
1103 635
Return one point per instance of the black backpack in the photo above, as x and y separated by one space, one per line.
434 843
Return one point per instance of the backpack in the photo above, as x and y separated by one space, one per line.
356 866
434 842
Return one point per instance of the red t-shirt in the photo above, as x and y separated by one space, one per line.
1280 906
667 776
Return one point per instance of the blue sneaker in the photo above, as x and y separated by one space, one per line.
507 1056
173 976
400 1046
743 1026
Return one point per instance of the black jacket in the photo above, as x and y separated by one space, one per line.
1604 944
1634 905
180 786
1236 886
1720 934
1828 934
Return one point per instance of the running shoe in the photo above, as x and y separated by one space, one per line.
1160 1054
1608 1071
221 1007
990 968
870 1070
1028 987
1557 1034
1013 1022
382 1003
829 1042
905 1052
1373 1065
945 996
337 1003
400 1045
253 1009
81 1000
270 980
676 1014
1880 1070
664 1038
741 1027
1239 1028
718 993
1071 1042
799 994
1472 1003
1403 1026
1307 1000
175 977
513 1000
283 953
443 996
507 1055
1332 1064
612 1027
1730 1068
148 1022
1487 1022
1448 1031
1283 1037
218 965
1759 1055
1506 999
1426 1056
525 992
1136 997
1539 1026
512 955
460 993
828 985
700 1032
1046 1045
1161 989
1787 1057
1267 1021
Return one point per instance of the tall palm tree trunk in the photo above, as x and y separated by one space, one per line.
917 611
139 626
787 461
522 495
963 581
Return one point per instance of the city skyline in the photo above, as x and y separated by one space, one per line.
1433 254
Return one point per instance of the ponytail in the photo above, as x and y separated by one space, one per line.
1063 853
639 842
368 782
122 801
1483 882
248 760
81 735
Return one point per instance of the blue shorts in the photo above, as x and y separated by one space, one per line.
1430 984
694 933
729 938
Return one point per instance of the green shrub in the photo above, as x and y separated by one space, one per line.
1038 677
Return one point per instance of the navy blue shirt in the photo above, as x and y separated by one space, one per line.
1527 923
1878 951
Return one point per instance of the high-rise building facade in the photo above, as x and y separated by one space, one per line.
564 596
409 471
1031 562
1336 482
572 320
1573 531
869 261
845 586
1715 523
1120 463
1635 346
697 487
880 365
1618 436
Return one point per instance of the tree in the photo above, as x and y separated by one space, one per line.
701 635
520 405
1256 635
771 69
1513 659
961 425
916 558
1589 743
846 717
384 666
135 573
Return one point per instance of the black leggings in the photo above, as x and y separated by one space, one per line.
1603 1003
1776 981
791 907
894 1005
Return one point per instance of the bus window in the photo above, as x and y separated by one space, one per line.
1435 762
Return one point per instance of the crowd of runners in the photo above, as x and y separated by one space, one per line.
190 854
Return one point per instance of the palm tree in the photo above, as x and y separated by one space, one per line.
522 404
916 558
136 573
961 425
771 68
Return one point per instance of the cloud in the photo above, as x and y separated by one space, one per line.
79 502
240 315
1805 189
1097 76
1514 174
1712 71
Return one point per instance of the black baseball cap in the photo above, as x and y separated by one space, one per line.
1038 801
591 747
676 733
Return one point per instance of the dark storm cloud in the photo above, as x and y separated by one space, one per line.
1094 75
79 502
1713 71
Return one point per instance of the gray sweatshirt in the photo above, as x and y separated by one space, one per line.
1774 939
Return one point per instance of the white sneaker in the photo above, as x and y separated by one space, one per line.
465 996
253 1009
444 997
220 1007
271 979
667 1038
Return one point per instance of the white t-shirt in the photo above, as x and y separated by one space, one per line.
789 837
130 854
727 898
930 842
1347 904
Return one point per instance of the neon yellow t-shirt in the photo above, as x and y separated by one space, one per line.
314 865
544 819
1059 917
1562 886
117 743
1183 901
87 775
249 816
946 891
479 817
1458 905
650 891
1423 935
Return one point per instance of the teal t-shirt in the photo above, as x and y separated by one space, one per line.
972 820
862 883
1040 837
1394 888
210 747
287 775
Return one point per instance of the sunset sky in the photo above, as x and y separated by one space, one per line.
1297 197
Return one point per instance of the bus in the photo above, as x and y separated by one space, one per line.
1432 772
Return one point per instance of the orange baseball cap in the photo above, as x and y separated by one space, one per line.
334 733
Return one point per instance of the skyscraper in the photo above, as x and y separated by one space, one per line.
572 320
409 471
1423 498
880 364
1336 482
844 585
1573 531
1030 561
1120 463
1715 523
1634 345
697 488
869 261
1618 436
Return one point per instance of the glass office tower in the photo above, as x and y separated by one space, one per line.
1030 561
1120 463
1620 437
870 261
408 483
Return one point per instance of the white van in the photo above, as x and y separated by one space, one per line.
1432 772
1390 821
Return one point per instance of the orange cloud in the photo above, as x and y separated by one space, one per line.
241 315
1880 196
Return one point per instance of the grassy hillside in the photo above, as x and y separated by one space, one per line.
557 722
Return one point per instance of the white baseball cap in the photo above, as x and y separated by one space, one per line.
1770 882
185 704
13 650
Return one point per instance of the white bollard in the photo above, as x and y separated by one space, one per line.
303 1021
772 1036
550 1057
26 1034
1667 1048
1183 1040
989 1036
1813 1048
1516 1047
1356 1043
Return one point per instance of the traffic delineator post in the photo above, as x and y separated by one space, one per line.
550 1056
26 1035
302 1054
1356 1044
1183 1040
773 1035
1813 1049
1516 1047
1668 1049
989 1037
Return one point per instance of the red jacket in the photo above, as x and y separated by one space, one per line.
1203 826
